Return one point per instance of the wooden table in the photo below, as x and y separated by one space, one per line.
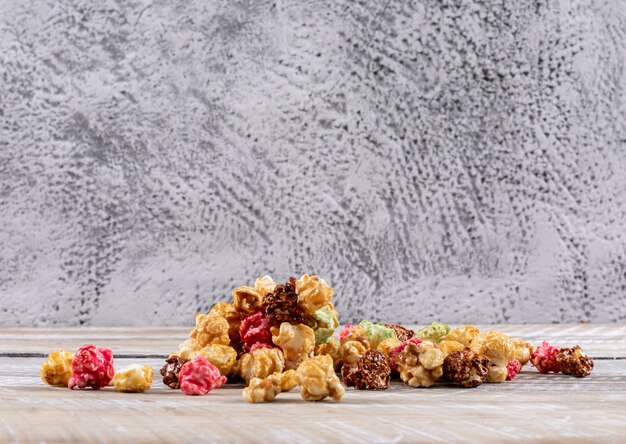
550 408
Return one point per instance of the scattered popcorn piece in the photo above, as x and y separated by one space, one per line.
420 365
266 390
513 368
189 348
349 353
371 372
264 285
314 293
464 368
261 363
199 377
523 350
171 370
297 343
469 336
499 348
255 329
57 368
388 346
434 333
210 329
324 322
233 317
221 356
92 367
544 358
133 379
573 361
246 300
281 305
448 346
396 351
317 379
374 333
402 333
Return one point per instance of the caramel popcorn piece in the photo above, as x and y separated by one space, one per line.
314 293
499 348
447 346
264 285
349 353
297 343
57 368
210 329
465 368
261 363
133 379
247 300
188 348
372 372
234 318
573 361
221 356
266 389
317 379
387 346
420 365
523 350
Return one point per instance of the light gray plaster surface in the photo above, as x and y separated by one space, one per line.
432 159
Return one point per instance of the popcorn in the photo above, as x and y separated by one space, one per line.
420 365
221 356
210 329
281 305
469 336
264 285
464 368
261 363
523 350
189 348
573 361
246 300
447 346
317 379
499 348
91 367
371 372
296 341
171 370
255 329
57 368
199 377
388 346
233 317
265 390
402 333
314 293
349 353
374 333
396 351
513 368
324 322
346 332
133 379
544 358
434 333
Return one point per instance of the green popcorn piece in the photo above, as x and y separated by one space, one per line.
324 322
434 333
376 333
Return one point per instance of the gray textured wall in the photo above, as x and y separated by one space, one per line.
454 160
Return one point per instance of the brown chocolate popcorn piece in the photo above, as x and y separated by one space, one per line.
171 369
371 372
573 361
281 305
403 333
465 368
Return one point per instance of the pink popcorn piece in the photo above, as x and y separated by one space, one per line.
345 332
544 358
255 329
199 377
259 345
396 351
513 368
92 367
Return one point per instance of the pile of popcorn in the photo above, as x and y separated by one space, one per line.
276 337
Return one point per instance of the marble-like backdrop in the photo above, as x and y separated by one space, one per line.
432 159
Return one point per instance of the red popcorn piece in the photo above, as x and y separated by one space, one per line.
513 368
260 345
92 367
345 332
396 351
199 377
544 358
255 329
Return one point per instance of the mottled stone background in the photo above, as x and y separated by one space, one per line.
454 160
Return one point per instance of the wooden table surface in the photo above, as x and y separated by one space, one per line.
550 408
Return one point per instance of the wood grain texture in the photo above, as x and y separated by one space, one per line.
434 160
547 408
